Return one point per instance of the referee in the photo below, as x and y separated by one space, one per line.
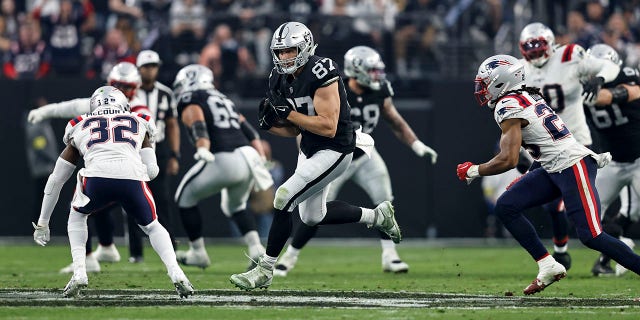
161 103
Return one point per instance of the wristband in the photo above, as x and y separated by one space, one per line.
473 171
619 94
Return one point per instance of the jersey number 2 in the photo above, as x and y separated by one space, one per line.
100 130
554 125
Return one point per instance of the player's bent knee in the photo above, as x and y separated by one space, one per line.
77 221
311 220
505 212
150 227
281 198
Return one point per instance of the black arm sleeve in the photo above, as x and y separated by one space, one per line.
249 131
198 130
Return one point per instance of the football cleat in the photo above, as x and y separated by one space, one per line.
192 257
107 253
258 277
620 270
546 276
285 264
385 221
564 258
602 269
255 252
91 265
75 286
184 288
392 263
136 259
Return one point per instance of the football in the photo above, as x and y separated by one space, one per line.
281 123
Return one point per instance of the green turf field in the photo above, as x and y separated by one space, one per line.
329 282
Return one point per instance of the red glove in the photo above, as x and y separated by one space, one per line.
467 172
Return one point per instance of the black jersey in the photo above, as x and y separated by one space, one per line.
317 73
221 117
366 107
618 124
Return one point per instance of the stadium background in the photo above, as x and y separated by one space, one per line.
431 48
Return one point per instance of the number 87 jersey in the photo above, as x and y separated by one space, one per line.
545 137
110 140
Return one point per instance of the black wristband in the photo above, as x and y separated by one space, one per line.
198 130
619 94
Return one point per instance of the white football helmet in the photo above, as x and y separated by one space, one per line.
292 35
108 96
603 51
537 43
193 77
125 77
365 65
497 75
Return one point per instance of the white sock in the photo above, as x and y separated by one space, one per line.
269 261
292 251
252 239
78 234
562 249
546 262
197 244
387 245
368 217
161 243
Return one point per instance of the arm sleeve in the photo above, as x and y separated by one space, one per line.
148 156
66 109
61 173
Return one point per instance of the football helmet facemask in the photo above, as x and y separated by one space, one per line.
108 96
125 77
497 75
365 65
193 77
537 43
292 35
603 51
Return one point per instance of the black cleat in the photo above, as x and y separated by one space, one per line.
602 269
563 258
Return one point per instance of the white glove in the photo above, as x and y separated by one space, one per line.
422 150
35 116
42 235
204 154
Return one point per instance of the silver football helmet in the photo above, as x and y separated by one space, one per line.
108 96
537 43
193 77
497 75
365 65
603 51
292 35
125 77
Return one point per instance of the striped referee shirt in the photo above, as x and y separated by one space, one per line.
161 104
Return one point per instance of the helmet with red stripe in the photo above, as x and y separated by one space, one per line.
537 43
497 75
125 77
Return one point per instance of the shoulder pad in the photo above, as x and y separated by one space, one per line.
509 106
572 52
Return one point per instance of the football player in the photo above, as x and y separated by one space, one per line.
126 78
307 97
226 162
370 96
568 168
119 160
615 113
557 70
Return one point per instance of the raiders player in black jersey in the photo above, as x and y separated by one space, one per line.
308 92
370 96
615 114
226 162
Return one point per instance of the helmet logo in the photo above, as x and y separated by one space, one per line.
496 63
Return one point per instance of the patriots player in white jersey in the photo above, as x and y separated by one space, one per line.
119 161
126 78
558 72
370 96
567 168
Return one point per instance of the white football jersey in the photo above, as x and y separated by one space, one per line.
546 137
110 140
559 81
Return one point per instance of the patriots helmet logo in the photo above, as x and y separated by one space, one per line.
496 63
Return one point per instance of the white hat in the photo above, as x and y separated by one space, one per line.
147 57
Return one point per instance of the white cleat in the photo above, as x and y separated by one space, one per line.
391 262
546 277
193 258
184 288
107 253
620 270
285 264
255 252
258 277
75 286
385 221
91 265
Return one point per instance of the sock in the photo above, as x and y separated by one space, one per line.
192 222
78 233
197 244
368 217
279 232
252 238
292 251
522 230
339 212
244 221
547 261
559 225
269 261
387 244
161 243
559 247
304 233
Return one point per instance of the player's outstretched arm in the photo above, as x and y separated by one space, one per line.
65 165
65 109
193 119
403 131
619 94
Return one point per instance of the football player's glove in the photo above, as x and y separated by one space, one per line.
279 104
266 116
204 154
467 171
41 235
423 150
35 116
591 87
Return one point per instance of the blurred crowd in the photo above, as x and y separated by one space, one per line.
417 38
